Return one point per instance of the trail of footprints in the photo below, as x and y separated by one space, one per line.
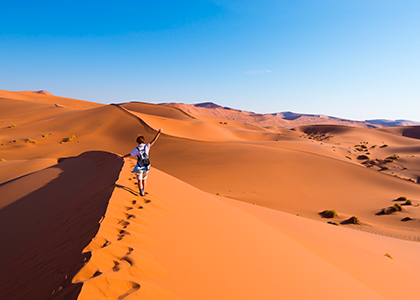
122 262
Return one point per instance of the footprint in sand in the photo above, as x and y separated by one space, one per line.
130 216
106 244
124 223
122 234
127 259
116 267
134 287
97 273
128 207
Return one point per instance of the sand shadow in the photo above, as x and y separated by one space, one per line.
46 230
350 221
126 188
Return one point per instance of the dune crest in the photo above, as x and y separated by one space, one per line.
50 221
234 210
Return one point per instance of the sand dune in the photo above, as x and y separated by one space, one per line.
46 97
407 131
285 119
182 241
47 218
225 249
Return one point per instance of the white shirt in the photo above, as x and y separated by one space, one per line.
136 152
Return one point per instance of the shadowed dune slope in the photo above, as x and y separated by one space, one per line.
47 219
407 131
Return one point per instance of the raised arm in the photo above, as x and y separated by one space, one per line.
156 137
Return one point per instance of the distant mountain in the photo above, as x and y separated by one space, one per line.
281 119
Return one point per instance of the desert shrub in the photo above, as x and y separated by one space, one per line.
218 194
2 159
348 157
409 202
397 207
393 157
363 146
11 126
70 138
384 146
388 255
30 141
384 168
402 198
329 213
354 220
384 211
363 157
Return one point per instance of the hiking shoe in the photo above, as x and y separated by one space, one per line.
142 192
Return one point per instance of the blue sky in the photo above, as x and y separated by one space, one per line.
346 58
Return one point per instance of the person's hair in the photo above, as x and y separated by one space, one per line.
140 139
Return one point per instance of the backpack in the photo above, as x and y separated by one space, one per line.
142 158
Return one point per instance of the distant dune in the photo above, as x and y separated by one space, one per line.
283 119
46 97
238 205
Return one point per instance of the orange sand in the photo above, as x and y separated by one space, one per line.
74 226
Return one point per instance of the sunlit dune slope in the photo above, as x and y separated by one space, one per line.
182 125
46 219
46 97
181 243
45 133
182 240
303 171
286 119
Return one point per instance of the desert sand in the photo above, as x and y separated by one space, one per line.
232 210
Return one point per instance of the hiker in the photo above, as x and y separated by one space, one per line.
143 164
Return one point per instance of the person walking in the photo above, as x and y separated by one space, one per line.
143 163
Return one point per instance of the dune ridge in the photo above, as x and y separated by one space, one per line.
235 250
46 97
52 215
233 210
284 119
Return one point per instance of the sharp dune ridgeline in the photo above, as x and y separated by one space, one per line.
238 205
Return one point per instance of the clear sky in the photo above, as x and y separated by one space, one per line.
355 59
